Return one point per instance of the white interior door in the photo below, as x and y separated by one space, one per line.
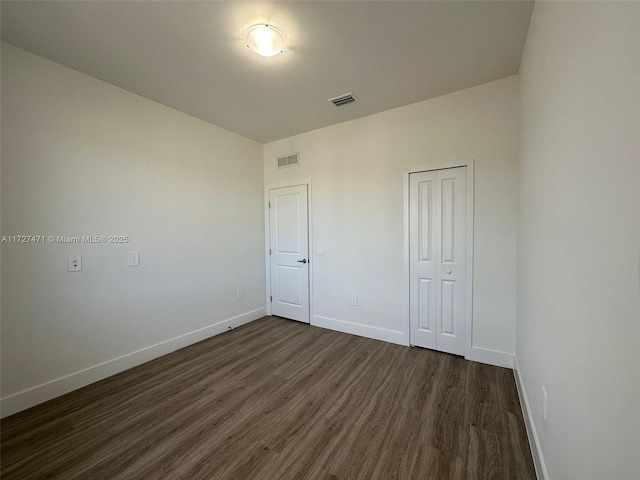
289 252
437 259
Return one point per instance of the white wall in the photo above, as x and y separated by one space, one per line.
578 329
357 170
82 157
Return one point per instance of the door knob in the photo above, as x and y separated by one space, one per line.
304 260
448 272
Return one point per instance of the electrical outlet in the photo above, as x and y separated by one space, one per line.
354 300
74 263
240 294
544 403
133 259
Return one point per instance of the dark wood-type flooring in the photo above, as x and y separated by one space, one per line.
277 399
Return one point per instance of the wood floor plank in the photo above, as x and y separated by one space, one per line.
485 458
278 399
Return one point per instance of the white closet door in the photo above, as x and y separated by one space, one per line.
437 225
422 258
451 259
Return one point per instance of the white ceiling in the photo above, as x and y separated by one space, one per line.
191 55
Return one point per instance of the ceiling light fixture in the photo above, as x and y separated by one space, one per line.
265 40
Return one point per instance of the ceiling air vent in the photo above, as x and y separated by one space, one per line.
288 161
342 99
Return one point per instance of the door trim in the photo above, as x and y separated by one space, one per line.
267 238
468 321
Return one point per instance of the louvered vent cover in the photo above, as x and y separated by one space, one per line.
288 161
342 99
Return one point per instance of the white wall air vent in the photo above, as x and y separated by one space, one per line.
342 99
288 161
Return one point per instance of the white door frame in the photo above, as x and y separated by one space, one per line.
267 239
468 321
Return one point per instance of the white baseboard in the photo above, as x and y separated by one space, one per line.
534 442
33 396
377 333
491 357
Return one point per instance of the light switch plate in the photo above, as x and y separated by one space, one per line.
133 259
74 263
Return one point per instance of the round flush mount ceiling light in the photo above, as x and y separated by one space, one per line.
265 40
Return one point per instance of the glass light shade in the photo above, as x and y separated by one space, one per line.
265 40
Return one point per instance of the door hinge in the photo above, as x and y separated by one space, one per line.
269 251
269 204
271 298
